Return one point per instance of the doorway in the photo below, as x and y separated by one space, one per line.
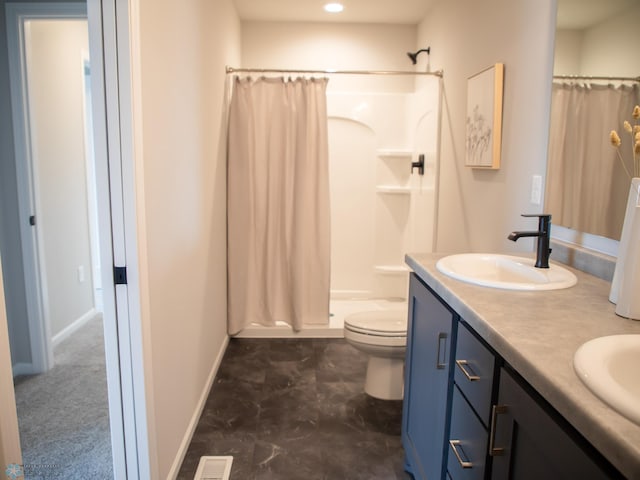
63 411
60 161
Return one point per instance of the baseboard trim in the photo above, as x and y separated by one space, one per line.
73 327
22 369
184 446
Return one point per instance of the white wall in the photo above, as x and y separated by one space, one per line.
55 64
478 209
340 46
182 201
606 49
568 52
611 48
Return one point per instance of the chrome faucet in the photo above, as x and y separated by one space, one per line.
543 234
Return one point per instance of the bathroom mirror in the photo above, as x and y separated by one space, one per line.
587 188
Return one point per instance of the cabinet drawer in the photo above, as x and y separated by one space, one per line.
467 442
474 372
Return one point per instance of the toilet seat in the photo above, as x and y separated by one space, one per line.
380 323
383 328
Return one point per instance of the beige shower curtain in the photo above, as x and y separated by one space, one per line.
587 188
278 203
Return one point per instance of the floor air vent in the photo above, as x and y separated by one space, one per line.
214 468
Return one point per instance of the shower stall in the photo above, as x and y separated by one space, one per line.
383 133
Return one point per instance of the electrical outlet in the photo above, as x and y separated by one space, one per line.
81 274
536 189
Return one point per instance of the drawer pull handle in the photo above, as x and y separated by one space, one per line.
442 351
454 446
495 411
463 363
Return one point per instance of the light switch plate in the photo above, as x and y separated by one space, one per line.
536 189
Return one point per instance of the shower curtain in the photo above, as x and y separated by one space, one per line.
278 203
587 188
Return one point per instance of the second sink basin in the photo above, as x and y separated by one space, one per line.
505 271
608 366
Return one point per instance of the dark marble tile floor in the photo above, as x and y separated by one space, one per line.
296 409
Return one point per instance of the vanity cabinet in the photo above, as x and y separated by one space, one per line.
532 443
427 382
469 416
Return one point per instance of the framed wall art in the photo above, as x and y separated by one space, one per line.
484 118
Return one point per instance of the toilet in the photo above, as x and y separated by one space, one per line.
382 335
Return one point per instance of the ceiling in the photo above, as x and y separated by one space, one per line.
355 11
572 14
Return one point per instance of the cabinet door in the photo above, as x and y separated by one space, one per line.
427 382
534 445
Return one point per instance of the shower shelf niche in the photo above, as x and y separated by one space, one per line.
393 189
399 154
391 269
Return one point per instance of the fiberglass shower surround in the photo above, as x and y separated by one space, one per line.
379 209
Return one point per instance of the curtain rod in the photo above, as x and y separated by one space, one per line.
437 73
585 77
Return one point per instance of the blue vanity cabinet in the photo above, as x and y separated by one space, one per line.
428 382
467 415
531 442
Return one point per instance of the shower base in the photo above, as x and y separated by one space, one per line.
334 329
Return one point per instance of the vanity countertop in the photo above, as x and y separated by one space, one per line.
537 333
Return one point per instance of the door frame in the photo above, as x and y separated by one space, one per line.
114 38
111 55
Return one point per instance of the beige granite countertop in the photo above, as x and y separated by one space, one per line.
537 333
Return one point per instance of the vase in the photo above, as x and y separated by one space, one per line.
626 277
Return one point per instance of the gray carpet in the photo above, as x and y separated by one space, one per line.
64 415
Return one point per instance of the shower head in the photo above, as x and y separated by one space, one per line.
414 56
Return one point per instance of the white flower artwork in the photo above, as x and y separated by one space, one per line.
484 118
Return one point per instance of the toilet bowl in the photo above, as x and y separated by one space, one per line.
382 335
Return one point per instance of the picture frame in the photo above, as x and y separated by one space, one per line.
483 133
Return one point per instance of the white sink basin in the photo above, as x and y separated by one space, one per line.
505 271
608 366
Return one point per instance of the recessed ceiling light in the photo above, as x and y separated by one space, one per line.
333 7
